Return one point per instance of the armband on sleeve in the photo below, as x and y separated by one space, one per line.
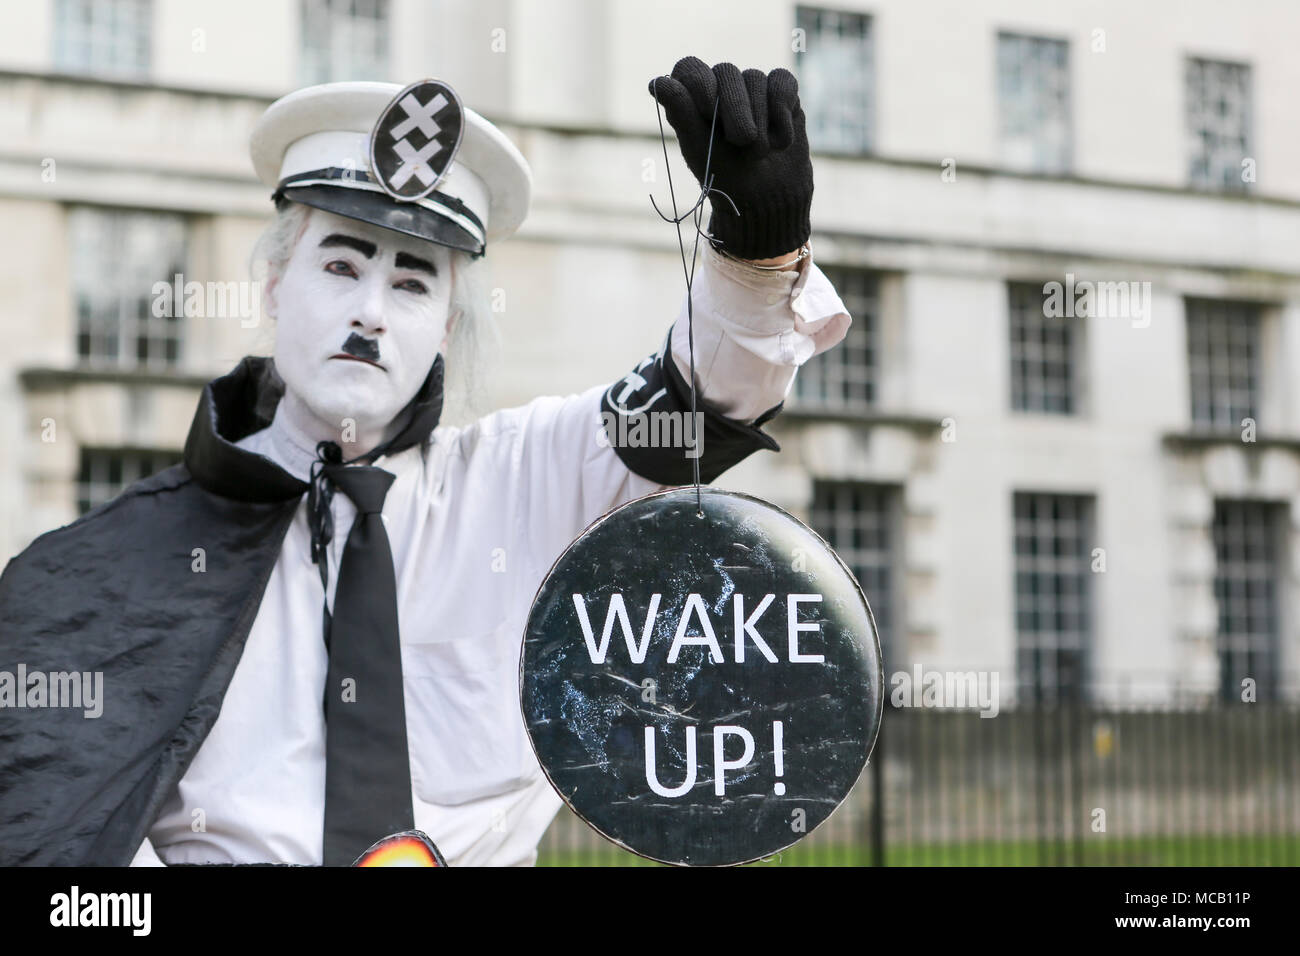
647 420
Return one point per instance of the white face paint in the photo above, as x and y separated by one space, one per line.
348 278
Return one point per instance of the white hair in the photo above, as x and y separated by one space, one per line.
472 333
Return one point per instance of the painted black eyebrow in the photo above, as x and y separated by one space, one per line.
407 261
367 249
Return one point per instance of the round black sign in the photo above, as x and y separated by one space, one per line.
701 690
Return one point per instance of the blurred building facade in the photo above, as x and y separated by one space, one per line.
1062 441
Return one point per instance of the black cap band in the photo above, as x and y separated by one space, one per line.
378 208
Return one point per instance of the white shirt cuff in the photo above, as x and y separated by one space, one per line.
753 329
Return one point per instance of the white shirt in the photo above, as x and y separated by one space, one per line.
475 520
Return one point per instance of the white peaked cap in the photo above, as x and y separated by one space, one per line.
361 150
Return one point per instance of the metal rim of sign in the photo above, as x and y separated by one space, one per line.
382 180
708 492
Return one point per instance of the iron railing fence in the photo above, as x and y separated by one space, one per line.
1076 784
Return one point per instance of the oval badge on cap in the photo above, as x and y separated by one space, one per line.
415 139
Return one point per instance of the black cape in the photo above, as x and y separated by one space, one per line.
117 592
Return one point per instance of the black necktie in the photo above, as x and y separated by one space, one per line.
367 765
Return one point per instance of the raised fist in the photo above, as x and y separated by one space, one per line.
760 151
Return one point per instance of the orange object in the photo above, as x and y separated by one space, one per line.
409 848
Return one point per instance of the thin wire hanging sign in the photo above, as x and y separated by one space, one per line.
700 675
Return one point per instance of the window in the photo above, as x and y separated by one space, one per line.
1218 124
1223 362
835 79
1246 582
105 472
110 37
858 521
344 40
1034 103
1053 619
844 378
117 257
1044 354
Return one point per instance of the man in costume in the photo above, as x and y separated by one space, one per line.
342 662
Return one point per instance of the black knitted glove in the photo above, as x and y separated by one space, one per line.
760 153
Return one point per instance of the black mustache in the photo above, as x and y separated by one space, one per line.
361 347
